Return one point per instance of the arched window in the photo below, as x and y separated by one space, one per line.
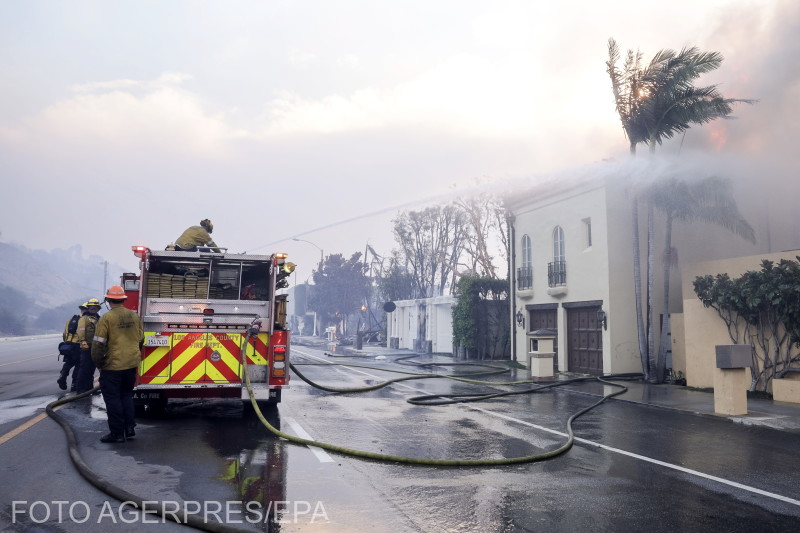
525 273
558 244
527 252
557 270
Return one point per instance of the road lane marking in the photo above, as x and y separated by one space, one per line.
603 446
27 425
649 459
321 454
24 360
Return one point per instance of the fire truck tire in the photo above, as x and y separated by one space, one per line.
263 405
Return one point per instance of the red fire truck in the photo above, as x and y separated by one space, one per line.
201 310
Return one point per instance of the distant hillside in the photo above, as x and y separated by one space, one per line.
37 286
41 281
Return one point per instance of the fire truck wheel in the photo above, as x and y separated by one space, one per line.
265 406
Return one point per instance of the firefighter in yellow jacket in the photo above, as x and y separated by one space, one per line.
71 350
116 347
84 337
196 236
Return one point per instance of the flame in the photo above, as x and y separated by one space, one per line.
718 136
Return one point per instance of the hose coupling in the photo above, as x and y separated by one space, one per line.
255 327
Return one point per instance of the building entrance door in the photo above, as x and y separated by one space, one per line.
584 340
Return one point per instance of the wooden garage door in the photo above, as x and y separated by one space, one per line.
584 340
546 319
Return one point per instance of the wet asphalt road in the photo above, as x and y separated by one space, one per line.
632 468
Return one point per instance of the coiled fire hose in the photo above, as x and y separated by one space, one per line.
421 461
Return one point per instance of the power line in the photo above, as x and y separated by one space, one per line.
381 211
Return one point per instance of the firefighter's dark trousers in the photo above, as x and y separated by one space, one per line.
117 388
85 379
72 362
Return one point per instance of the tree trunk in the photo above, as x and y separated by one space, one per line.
651 355
662 352
637 286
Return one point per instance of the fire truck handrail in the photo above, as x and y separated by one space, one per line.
174 304
242 319
197 255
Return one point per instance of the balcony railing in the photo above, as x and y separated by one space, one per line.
556 273
524 278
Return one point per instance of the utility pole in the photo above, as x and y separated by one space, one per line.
105 277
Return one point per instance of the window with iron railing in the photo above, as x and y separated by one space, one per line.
524 278
556 273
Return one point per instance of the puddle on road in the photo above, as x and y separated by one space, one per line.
20 408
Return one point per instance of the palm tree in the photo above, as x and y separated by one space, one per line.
655 102
671 103
626 85
709 200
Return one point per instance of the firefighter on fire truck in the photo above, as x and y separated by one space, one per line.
196 236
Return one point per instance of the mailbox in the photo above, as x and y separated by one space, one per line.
542 341
541 352
734 355
731 378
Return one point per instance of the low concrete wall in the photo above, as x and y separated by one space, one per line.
703 328
787 389
678 343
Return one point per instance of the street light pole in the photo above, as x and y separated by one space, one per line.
321 260
321 253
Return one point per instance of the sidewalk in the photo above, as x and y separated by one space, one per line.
760 412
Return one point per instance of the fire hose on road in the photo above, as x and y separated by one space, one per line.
182 517
442 399
439 399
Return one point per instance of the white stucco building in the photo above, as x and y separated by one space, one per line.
565 277
572 258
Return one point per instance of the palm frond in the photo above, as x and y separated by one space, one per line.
658 100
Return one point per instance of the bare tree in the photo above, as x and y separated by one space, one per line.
432 241
394 280
486 217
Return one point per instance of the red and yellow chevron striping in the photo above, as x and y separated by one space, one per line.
196 357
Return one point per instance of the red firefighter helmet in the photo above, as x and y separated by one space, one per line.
115 292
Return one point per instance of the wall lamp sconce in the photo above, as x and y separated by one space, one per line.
602 318
520 319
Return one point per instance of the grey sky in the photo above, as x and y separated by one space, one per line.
123 122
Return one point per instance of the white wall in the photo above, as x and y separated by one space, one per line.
403 322
620 342
587 265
